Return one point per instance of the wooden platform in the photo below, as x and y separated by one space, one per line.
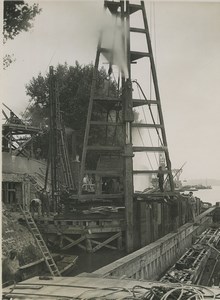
90 233
88 286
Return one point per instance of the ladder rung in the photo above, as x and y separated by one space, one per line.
47 255
42 242
106 123
138 30
104 148
105 172
136 102
149 149
110 99
147 125
134 55
112 6
149 171
53 266
134 7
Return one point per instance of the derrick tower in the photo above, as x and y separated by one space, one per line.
125 128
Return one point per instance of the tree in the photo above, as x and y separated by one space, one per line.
74 84
18 17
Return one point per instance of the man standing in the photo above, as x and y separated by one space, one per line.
45 203
160 176
192 208
35 206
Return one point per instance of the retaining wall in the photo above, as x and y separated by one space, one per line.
151 261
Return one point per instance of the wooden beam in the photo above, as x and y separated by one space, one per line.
107 246
149 149
110 99
140 102
104 173
73 242
149 171
98 196
112 238
24 128
157 93
134 7
155 194
138 30
147 125
106 123
104 148
137 55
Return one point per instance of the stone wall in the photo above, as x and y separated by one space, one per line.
17 238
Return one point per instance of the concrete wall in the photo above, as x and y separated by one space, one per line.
16 164
153 260
15 169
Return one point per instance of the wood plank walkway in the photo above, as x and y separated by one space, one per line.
87 286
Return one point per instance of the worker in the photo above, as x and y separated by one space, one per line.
11 267
85 185
174 212
115 186
192 207
35 206
45 203
38 153
160 176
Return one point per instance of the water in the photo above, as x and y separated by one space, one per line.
89 262
212 196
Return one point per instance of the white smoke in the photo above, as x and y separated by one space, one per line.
114 40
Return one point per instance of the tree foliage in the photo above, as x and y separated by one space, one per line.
17 17
74 85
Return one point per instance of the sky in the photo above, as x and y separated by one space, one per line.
186 44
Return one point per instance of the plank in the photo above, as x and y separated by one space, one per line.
107 246
149 149
112 238
73 242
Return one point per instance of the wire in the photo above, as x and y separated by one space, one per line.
152 116
145 152
145 118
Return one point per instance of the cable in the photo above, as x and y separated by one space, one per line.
145 152
152 116
145 118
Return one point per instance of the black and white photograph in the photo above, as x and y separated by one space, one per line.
110 150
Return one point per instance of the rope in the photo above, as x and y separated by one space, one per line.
152 116
148 130
145 152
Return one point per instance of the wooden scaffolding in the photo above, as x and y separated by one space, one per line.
111 116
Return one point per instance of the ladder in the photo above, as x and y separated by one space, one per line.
65 160
40 242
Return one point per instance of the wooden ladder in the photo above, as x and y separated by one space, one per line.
54 271
65 160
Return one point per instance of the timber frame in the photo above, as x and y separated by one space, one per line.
117 113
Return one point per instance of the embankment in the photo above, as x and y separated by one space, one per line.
18 246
